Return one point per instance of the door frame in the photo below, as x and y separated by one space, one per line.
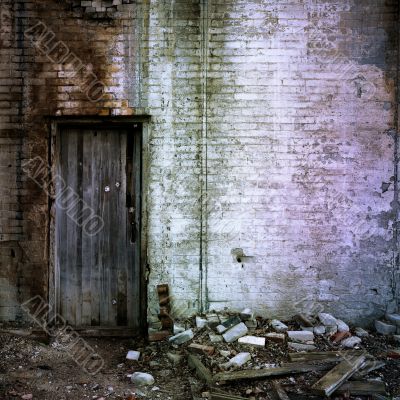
127 123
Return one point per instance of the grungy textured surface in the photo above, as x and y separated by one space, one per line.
271 149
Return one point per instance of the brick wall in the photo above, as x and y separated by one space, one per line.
272 136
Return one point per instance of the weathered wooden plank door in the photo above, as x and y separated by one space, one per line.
98 226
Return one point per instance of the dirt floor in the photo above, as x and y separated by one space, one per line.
30 369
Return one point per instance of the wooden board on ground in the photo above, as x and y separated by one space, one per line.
363 388
338 375
225 396
268 372
201 370
369 366
324 355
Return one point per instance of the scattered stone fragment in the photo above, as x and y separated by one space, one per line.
142 379
27 396
200 322
351 342
276 337
133 355
307 328
327 319
232 321
360 332
303 320
159 335
212 320
251 323
178 329
339 336
237 361
182 337
246 314
154 364
221 328
342 326
393 318
394 354
331 329
301 336
215 338
252 340
174 358
279 326
225 353
396 338
235 333
319 330
200 349
384 328
301 346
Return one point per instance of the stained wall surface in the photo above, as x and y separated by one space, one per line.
271 153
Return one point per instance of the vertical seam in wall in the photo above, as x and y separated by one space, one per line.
396 257
19 8
203 265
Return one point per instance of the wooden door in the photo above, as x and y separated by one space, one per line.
98 226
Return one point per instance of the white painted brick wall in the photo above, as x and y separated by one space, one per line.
295 158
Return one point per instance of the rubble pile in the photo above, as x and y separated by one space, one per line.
239 355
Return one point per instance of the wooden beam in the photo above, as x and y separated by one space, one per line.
268 372
225 396
201 370
324 355
363 388
369 366
338 375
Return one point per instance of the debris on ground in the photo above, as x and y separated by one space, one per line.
214 356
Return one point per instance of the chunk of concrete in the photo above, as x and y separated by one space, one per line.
331 329
215 338
237 361
174 358
307 328
232 321
278 326
178 329
319 330
221 329
327 319
360 332
252 341
182 337
384 328
276 337
133 355
394 319
235 333
142 379
301 346
301 336
342 326
251 323
200 322
246 314
351 342
212 320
